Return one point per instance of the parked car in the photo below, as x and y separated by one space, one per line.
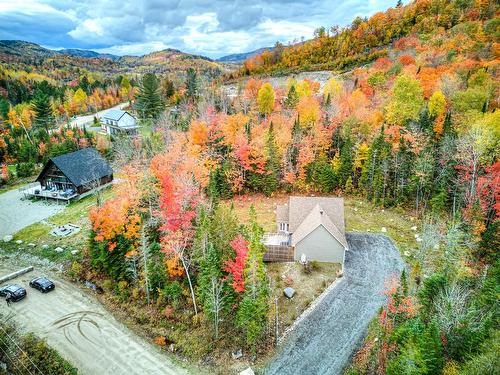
43 284
17 292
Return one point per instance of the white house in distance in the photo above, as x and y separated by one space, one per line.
119 122
310 228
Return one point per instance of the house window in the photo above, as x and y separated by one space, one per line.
284 227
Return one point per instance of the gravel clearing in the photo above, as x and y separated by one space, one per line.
324 341
81 330
17 213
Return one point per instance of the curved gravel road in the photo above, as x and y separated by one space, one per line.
324 341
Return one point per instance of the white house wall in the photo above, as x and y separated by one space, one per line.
126 120
321 246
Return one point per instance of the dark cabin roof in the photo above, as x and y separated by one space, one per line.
80 167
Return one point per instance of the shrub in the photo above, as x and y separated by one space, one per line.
25 169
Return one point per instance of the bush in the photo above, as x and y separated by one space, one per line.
25 169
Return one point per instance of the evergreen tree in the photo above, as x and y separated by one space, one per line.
432 349
252 311
44 117
273 164
191 84
149 103
346 162
292 98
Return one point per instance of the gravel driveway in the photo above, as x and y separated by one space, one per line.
323 342
17 213
83 332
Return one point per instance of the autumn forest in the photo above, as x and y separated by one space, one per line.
403 117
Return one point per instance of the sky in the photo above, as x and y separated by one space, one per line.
212 28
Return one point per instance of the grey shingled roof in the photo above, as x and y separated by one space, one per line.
114 114
82 166
317 217
300 209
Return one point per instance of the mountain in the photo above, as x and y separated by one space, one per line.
87 53
22 48
240 57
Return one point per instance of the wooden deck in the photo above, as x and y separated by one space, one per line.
34 190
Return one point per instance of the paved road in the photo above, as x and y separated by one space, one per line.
325 340
16 214
80 121
78 326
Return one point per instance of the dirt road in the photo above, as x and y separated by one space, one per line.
83 332
324 341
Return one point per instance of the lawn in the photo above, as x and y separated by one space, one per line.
39 233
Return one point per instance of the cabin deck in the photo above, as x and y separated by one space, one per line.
36 191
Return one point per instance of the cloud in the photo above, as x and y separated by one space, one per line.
209 27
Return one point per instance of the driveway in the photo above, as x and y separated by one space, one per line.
17 213
324 341
83 332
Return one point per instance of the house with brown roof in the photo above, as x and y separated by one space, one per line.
312 228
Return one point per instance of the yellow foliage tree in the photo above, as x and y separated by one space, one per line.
309 111
265 99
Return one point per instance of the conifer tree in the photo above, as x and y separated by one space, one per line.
252 311
44 117
273 164
149 103
292 98
191 84
346 162
432 349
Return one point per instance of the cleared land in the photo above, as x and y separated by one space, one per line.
17 213
83 332
323 342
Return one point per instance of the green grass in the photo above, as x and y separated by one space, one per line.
38 233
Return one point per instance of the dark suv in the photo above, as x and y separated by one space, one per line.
43 284
17 292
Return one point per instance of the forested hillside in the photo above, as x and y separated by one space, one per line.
413 127
365 40
418 129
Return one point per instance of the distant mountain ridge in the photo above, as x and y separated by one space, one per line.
87 53
240 57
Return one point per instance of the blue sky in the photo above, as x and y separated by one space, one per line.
212 28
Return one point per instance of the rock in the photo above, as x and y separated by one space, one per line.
31 244
289 292
419 239
414 228
407 253
7 238
58 249
74 252
19 242
356 209
247 371
171 347
237 354
417 235
368 230
436 246
383 230
376 339
45 247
